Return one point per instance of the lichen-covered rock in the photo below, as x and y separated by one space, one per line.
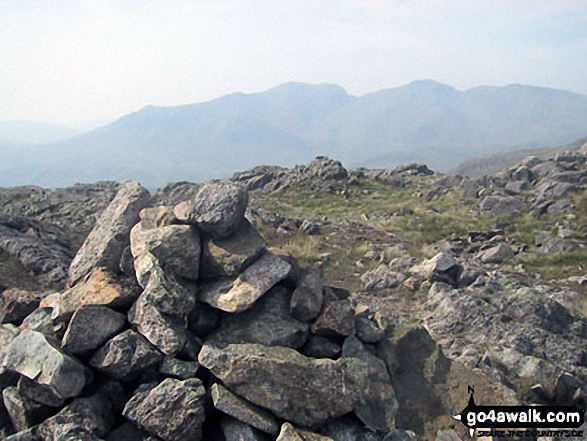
228 257
175 248
231 404
299 389
306 301
168 294
105 244
33 356
288 433
165 332
172 411
269 323
125 356
100 287
496 254
90 327
218 208
381 278
241 294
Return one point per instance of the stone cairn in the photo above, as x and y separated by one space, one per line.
178 324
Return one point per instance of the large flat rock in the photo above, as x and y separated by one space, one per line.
296 388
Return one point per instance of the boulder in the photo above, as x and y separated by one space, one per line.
218 208
172 411
299 389
180 369
32 355
230 256
337 319
269 323
231 404
501 205
242 293
90 327
125 356
105 244
168 294
306 301
369 325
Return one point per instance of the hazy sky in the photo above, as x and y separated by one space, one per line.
71 60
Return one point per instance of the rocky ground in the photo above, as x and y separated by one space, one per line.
306 303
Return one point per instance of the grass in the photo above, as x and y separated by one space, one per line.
554 266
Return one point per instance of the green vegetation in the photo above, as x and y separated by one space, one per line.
554 266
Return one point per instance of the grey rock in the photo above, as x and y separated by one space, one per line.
16 304
241 294
218 208
377 403
235 430
230 256
125 356
33 356
496 254
231 404
7 335
549 244
441 268
165 332
168 294
129 432
172 411
299 389
175 248
306 301
501 205
159 216
24 412
561 206
369 325
179 369
41 320
447 435
381 278
269 323
111 235
336 319
39 393
90 327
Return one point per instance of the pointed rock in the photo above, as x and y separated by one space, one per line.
106 242
288 433
306 301
336 319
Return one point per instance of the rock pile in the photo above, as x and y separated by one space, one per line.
178 324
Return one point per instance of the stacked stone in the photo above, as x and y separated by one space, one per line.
179 324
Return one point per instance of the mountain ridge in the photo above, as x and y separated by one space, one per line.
423 121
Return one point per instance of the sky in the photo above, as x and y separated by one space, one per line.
68 61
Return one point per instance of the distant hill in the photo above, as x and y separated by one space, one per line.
423 121
33 132
491 164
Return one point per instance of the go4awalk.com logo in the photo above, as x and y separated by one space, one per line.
531 421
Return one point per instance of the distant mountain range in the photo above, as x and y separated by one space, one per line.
423 121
